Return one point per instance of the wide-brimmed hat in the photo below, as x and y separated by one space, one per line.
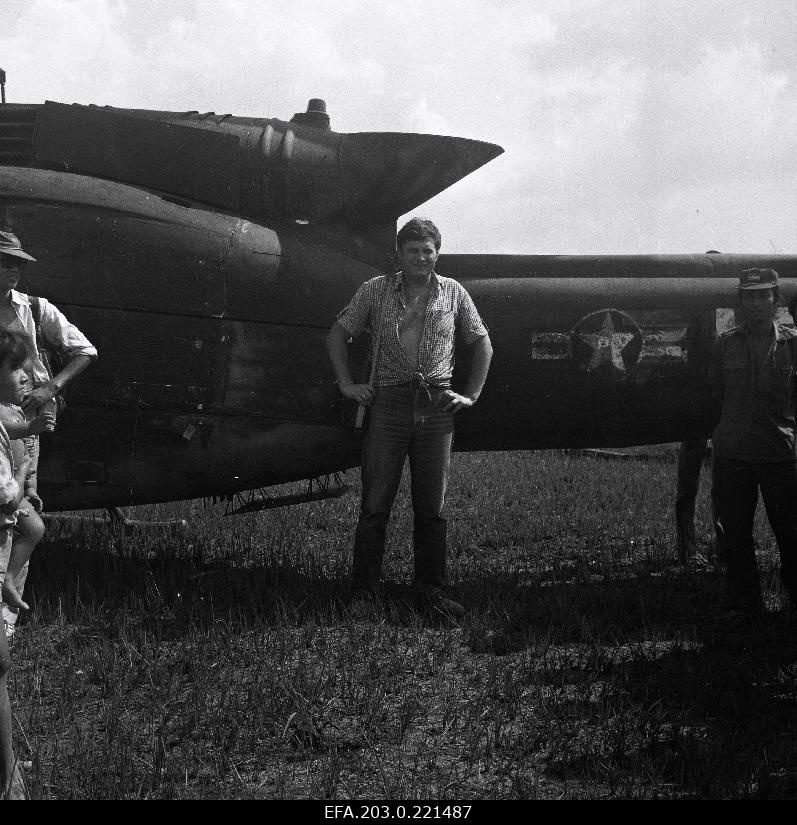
758 279
10 245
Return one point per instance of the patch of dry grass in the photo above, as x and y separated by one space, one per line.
223 662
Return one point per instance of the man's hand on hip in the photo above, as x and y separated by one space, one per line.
453 402
361 393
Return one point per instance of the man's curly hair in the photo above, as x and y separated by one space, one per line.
419 229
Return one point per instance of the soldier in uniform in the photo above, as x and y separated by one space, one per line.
753 375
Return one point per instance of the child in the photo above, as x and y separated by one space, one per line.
30 528
13 388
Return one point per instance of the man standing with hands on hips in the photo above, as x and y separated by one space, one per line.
415 317
753 372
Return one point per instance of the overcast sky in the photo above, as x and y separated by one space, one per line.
630 126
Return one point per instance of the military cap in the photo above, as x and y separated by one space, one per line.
758 279
10 245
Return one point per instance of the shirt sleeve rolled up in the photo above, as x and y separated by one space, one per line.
469 323
355 316
59 332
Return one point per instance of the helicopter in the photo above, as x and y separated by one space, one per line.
207 255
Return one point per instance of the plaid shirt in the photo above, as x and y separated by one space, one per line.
450 315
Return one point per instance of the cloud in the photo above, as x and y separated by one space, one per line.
54 48
628 127
646 131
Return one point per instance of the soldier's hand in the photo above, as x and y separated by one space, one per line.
361 393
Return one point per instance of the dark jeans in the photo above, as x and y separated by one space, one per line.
405 422
736 485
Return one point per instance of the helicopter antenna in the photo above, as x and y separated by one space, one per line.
2 85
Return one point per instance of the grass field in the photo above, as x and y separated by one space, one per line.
223 662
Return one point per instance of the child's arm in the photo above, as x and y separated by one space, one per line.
16 429
44 421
